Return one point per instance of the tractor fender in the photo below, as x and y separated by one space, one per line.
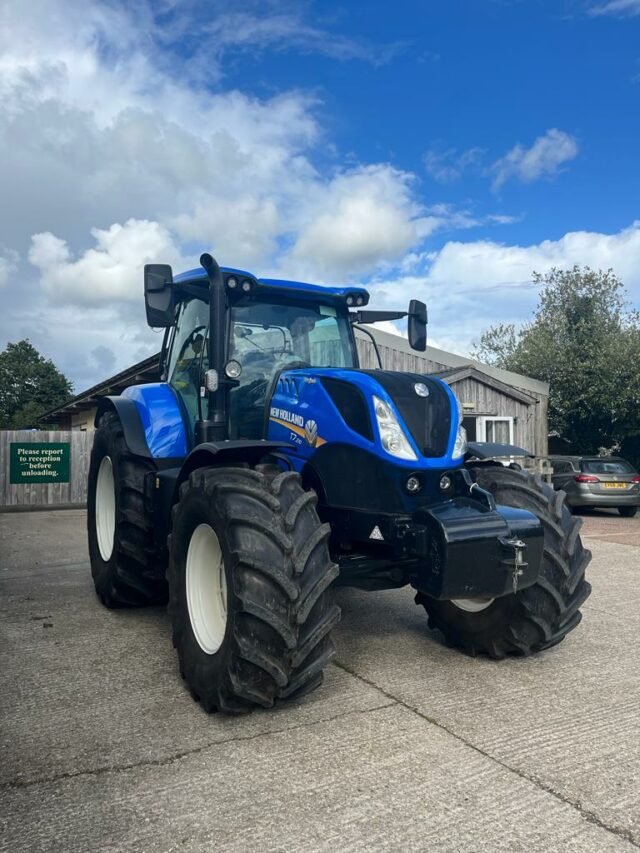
489 450
240 451
167 481
152 420
127 412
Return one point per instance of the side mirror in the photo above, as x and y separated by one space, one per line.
159 297
418 325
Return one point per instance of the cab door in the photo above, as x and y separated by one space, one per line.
188 358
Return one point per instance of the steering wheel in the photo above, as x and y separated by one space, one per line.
257 388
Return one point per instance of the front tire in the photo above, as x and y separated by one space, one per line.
126 567
249 577
539 616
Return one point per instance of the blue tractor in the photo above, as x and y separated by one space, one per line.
267 467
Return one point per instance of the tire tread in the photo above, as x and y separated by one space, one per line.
283 612
542 614
135 575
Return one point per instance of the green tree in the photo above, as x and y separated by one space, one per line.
585 341
29 386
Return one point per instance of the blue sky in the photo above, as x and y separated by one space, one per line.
434 150
480 75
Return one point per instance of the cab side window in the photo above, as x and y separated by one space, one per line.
324 343
187 354
261 352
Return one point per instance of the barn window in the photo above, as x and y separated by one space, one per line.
495 430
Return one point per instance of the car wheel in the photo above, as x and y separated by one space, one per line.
627 511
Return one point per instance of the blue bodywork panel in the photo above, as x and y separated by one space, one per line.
300 288
300 398
161 418
199 276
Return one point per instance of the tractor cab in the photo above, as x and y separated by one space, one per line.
239 333
271 326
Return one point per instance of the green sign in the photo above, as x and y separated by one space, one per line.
35 462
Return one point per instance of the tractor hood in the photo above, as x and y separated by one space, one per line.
425 406
311 407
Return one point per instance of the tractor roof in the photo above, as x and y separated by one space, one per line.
198 276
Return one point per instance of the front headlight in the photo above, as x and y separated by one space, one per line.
392 435
460 447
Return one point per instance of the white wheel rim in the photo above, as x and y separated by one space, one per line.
472 605
206 589
105 508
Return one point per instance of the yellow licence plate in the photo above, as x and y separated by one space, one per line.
615 485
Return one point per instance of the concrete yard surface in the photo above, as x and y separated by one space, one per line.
408 745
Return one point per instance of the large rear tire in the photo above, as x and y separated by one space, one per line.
127 570
536 617
249 577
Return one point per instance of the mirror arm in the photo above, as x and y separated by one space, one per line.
163 353
375 316
373 341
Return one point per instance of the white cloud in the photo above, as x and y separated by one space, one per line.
8 265
245 227
448 166
285 29
485 264
109 273
145 163
90 117
543 159
361 219
366 220
621 8
120 140
469 286
504 219
119 149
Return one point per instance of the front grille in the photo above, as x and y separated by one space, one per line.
428 419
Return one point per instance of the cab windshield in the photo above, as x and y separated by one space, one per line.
279 333
268 337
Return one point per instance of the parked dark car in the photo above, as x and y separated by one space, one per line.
597 481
